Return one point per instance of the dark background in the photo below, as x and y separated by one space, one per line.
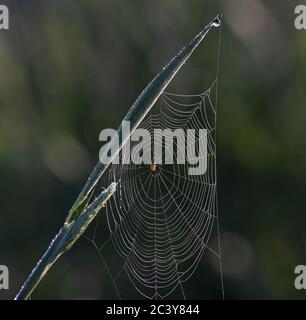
69 69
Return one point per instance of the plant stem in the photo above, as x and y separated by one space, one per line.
64 241
140 109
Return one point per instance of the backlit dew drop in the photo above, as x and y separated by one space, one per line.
217 22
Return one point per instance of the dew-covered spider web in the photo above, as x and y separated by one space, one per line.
161 219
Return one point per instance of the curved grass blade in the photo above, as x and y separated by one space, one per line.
141 107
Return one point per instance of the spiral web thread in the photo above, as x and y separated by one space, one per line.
160 223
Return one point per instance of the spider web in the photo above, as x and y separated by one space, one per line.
163 224
160 224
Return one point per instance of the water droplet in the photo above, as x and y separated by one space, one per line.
217 22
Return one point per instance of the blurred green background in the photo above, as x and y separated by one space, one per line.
68 69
